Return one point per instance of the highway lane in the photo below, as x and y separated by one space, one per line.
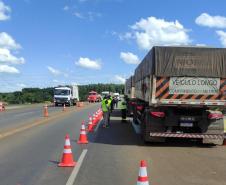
17 117
30 157
115 153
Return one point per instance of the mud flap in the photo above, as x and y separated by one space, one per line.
149 125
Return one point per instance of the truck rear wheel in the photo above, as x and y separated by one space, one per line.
151 125
215 127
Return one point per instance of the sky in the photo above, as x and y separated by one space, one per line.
46 43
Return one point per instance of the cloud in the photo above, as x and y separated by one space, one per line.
21 85
88 63
56 81
129 58
222 36
127 35
153 31
8 69
120 79
7 57
66 8
79 15
92 15
89 15
54 71
6 41
4 11
211 21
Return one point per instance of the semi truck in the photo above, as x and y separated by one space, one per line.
179 93
67 95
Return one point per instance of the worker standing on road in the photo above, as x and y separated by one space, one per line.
122 106
112 103
106 103
115 102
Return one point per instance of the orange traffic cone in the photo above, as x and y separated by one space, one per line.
83 137
90 124
67 158
99 114
1 107
224 143
94 119
64 108
143 177
45 112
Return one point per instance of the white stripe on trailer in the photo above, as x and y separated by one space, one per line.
177 135
175 102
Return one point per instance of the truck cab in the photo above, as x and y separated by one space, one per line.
66 95
93 97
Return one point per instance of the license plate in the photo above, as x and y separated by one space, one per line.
186 124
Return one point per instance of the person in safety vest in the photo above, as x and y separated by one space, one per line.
123 107
106 106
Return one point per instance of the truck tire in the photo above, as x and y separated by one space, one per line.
215 127
151 125
56 104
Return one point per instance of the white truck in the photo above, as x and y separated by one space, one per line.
67 95
180 92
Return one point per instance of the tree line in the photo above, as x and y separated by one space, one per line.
38 95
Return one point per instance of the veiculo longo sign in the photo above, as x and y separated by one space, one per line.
191 85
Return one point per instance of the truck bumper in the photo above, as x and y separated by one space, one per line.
186 135
206 138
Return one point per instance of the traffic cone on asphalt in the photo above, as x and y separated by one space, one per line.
64 108
94 119
97 118
83 138
90 124
143 177
45 112
224 143
67 158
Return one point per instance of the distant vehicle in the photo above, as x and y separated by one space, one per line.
67 95
117 95
105 93
94 97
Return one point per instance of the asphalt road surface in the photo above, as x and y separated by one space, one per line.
23 114
30 157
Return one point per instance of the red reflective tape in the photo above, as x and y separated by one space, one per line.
142 179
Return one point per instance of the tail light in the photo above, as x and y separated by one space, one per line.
133 103
215 116
140 108
158 114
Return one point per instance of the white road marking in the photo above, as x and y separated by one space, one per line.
75 171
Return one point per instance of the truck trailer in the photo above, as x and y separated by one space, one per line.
180 92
